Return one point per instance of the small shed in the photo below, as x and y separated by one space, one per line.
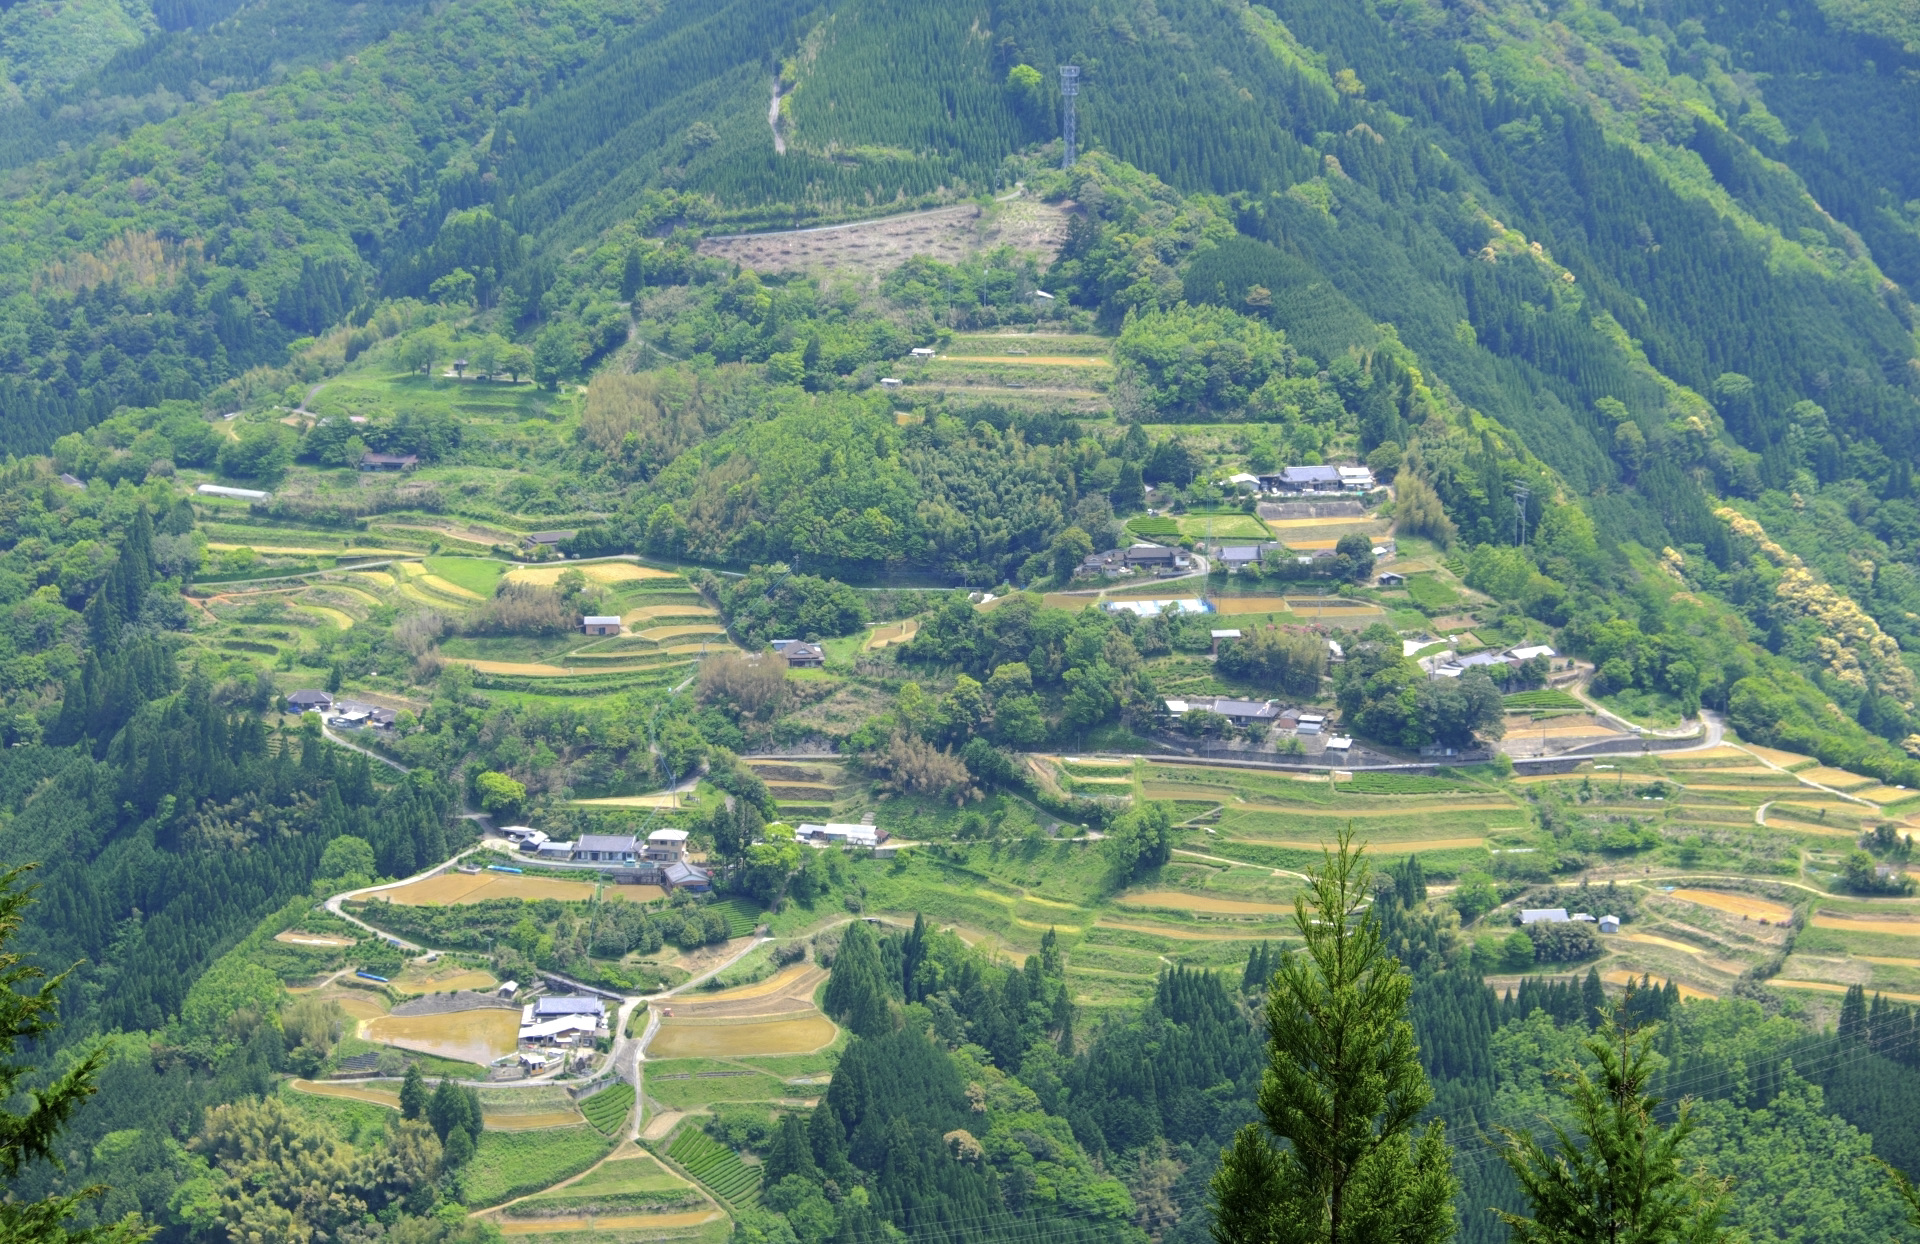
388 462
600 624
1609 924
1544 915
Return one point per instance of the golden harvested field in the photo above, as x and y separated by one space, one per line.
1177 934
419 982
350 1092
1414 844
1650 939
647 612
1884 795
450 888
660 633
893 633
1232 605
1825 987
1887 961
1722 752
608 1222
339 617
665 800
478 1036
1736 904
534 669
531 1121
1786 760
1893 928
1687 992
360 1004
797 979
1839 779
679 1038
599 572
312 939
291 550
1186 900
380 577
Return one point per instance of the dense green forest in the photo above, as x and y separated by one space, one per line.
1617 297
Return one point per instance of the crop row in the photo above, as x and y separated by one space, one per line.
608 1109
716 1166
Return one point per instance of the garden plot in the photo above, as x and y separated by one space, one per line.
528 1109
788 991
450 888
294 937
478 1036
389 1098
1866 924
416 979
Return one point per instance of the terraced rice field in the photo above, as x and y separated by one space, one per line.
893 633
732 1038
1842 924
598 572
1739 904
1176 933
389 1098
665 800
1829 987
1187 900
716 1166
647 613
447 889
1654 939
420 983
530 1120
478 1036
1236 605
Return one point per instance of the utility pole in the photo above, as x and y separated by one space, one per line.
1521 493
1069 91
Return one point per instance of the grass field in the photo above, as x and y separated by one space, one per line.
1541 701
628 1182
510 1164
716 1166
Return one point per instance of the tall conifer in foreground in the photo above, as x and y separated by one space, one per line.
1616 1177
1343 1087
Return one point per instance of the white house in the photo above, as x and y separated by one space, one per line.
1544 915
843 835
667 846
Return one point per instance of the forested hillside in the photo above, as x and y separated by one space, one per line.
520 371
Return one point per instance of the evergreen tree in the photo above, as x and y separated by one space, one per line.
857 991
31 1136
792 1152
1343 1087
1616 1178
1593 998
413 1093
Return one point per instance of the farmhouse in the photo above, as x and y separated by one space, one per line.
558 1021
800 654
1303 479
555 850
1544 915
371 461
604 849
666 846
600 624
1219 635
1241 480
545 539
1355 478
309 701
355 715
1111 562
1156 557
1240 556
833 834
686 877
1391 578
1239 712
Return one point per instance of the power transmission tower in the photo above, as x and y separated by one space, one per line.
1520 495
1069 92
